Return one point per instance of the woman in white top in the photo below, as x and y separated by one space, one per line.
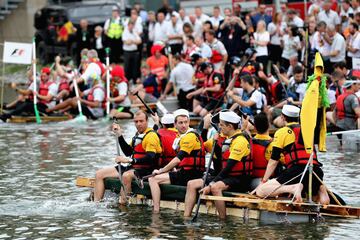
353 44
276 30
260 41
291 45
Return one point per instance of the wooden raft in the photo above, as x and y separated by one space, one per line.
32 119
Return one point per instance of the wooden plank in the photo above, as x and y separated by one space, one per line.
85 182
140 105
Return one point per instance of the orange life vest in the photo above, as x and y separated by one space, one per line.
243 167
90 96
297 154
258 150
196 159
167 138
341 112
44 90
209 82
139 151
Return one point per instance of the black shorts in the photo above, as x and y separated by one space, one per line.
236 184
138 172
181 177
125 110
211 104
298 169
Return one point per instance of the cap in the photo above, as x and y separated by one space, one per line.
291 111
348 84
235 61
175 14
181 112
117 71
156 48
115 8
168 119
46 70
230 117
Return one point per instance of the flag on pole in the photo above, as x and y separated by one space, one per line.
19 53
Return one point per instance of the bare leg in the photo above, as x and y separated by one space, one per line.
195 103
197 110
154 183
190 197
64 104
127 177
217 189
100 175
203 112
63 94
122 115
270 186
323 195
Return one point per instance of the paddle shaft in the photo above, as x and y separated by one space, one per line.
204 181
107 82
147 107
77 96
342 132
38 120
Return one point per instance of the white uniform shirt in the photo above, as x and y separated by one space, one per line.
99 95
219 47
123 90
323 48
53 91
134 36
340 45
181 76
174 30
160 31
275 38
330 18
290 46
355 43
215 21
261 37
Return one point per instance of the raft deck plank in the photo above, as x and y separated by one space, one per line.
32 119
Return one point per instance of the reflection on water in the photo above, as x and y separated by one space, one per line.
38 197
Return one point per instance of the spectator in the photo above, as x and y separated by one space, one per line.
237 11
142 13
329 16
189 47
158 64
175 34
204 48
131 39
183 18
137 21
150 32
346 12
290 44
260 42
200 16
315 6
276 30
321 42
160 29
98 43
216 18
353 44
293 62
196 26
294 19
113 29
83 38
261 15
356 6
338 45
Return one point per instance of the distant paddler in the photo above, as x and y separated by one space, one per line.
142 155
287 142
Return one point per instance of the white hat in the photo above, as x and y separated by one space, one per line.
168 119
115 8
291 111
230 117
181 112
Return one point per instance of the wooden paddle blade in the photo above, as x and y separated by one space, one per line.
85 182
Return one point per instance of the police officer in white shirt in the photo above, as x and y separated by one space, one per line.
338 45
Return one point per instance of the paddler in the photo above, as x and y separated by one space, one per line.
189 161
143 154
236 166
288 140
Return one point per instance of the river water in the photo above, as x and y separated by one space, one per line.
39 199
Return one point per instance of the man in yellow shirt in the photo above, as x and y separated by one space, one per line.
189 161
287 140
236 166
143 155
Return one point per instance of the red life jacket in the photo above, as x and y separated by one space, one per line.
258 150
90 96
243 167
297 153
216 56
44 90
341 113
114 92
64 85
139 151
31 95
209 82
196 159
167 138
200 78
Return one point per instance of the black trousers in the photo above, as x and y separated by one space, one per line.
27 107
131 65
183 101
115 46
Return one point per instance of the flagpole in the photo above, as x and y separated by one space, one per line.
2 87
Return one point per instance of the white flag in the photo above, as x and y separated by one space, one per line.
19 53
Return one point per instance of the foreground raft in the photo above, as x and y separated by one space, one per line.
240 205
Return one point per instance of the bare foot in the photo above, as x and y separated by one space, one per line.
323 195
297 193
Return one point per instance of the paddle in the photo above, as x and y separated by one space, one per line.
37 115
107 50
204 181
342 132
119 165
80 117
147 107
